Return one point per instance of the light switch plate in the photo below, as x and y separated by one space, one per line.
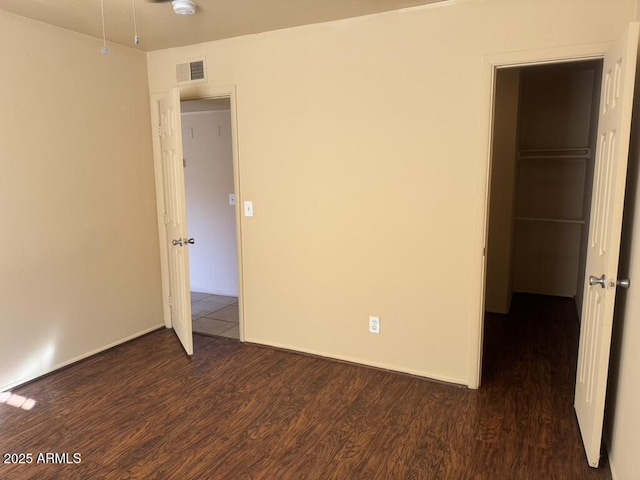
248 209
232 199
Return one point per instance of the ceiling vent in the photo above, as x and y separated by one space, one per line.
190 72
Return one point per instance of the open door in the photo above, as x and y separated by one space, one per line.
175 217
614 128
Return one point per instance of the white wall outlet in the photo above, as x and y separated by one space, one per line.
248 209
374 325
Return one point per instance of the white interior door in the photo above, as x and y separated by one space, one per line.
175 217
614 126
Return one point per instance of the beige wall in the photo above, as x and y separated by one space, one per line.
80 264
360 147
360 144
503 165
622 429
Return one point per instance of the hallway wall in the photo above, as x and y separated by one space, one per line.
212 221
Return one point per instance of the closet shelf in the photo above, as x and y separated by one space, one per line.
550 220
556 154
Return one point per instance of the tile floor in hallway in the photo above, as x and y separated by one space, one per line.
215 315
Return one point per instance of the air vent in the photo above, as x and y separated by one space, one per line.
190 72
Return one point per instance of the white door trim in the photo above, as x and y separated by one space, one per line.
490 63
205 92
162 231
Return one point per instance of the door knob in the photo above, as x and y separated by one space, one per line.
602 281
190 241
626 283
177 242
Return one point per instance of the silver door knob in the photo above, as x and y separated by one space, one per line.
602 281
190 241
177 242
626 283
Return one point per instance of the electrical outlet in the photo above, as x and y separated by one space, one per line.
374 325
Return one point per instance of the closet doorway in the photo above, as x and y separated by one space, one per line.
211 216
545 126
605 211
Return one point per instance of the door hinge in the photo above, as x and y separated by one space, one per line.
170 302
159 130
184 163
166 219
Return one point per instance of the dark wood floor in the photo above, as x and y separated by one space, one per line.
144 410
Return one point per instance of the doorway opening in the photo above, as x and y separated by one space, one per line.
542 169
606 215
211 215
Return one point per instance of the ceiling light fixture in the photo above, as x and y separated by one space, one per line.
136 38
184 7
105 49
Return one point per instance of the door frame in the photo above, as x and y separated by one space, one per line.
490 65
203 92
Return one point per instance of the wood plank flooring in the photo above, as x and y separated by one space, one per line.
144 410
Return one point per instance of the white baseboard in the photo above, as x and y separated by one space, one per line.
214 292
58 366
611 465
358 361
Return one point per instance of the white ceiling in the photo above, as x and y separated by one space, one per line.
159 27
